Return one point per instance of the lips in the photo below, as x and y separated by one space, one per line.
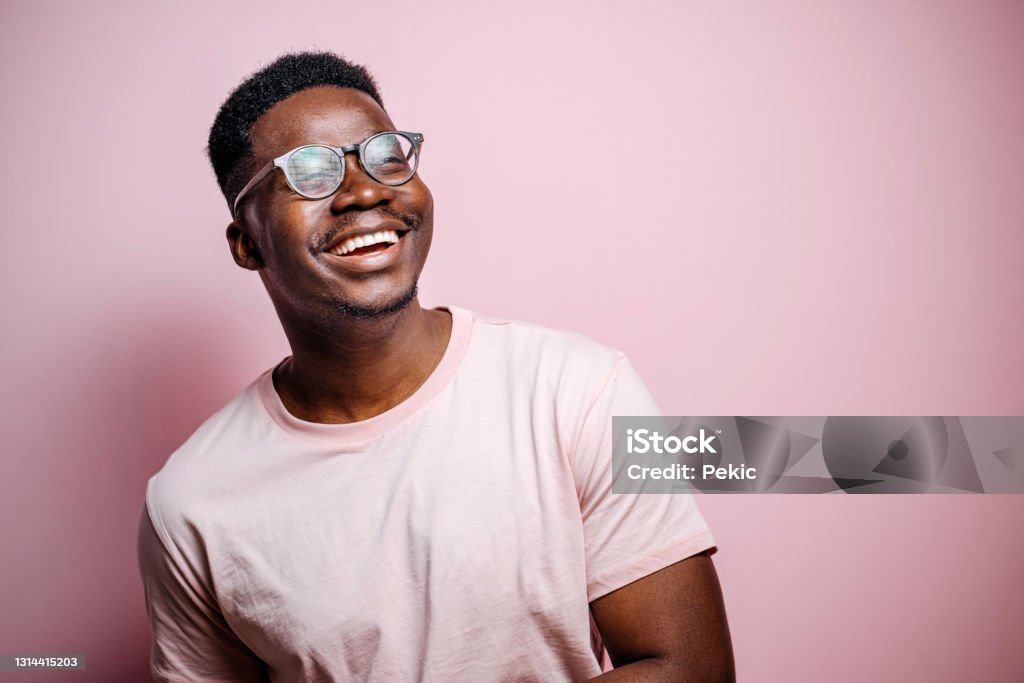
368 249
366 239
363 244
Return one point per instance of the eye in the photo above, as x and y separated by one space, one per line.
390 157
314 171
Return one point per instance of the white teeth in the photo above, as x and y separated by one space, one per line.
352 243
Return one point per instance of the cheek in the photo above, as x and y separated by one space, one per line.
421 199
288 227
288 258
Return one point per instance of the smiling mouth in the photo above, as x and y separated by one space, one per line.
362 245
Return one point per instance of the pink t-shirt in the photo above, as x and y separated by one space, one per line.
459 536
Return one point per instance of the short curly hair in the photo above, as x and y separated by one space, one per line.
230 147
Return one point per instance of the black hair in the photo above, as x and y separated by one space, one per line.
230 147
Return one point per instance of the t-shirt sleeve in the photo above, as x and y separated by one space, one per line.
627 535
191 640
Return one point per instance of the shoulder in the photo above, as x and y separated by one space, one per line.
550 365
550 349
198 471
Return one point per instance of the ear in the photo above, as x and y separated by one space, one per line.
243 247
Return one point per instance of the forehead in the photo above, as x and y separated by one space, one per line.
329 115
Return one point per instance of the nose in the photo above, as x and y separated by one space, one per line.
358 190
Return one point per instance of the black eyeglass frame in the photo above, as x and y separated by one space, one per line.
281 162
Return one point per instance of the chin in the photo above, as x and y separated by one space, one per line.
380 308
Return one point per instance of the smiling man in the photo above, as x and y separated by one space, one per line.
412 494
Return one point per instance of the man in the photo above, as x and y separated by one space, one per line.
412 494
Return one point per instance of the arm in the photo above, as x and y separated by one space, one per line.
653 592
667 626
191 640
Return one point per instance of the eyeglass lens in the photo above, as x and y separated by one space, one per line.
316 171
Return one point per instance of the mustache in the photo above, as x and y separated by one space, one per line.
411 220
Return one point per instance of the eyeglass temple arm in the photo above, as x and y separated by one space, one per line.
264 172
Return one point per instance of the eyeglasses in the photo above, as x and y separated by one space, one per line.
316 171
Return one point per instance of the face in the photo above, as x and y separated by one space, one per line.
295 243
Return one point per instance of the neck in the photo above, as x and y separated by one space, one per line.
360 367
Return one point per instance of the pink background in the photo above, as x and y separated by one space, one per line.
811 209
